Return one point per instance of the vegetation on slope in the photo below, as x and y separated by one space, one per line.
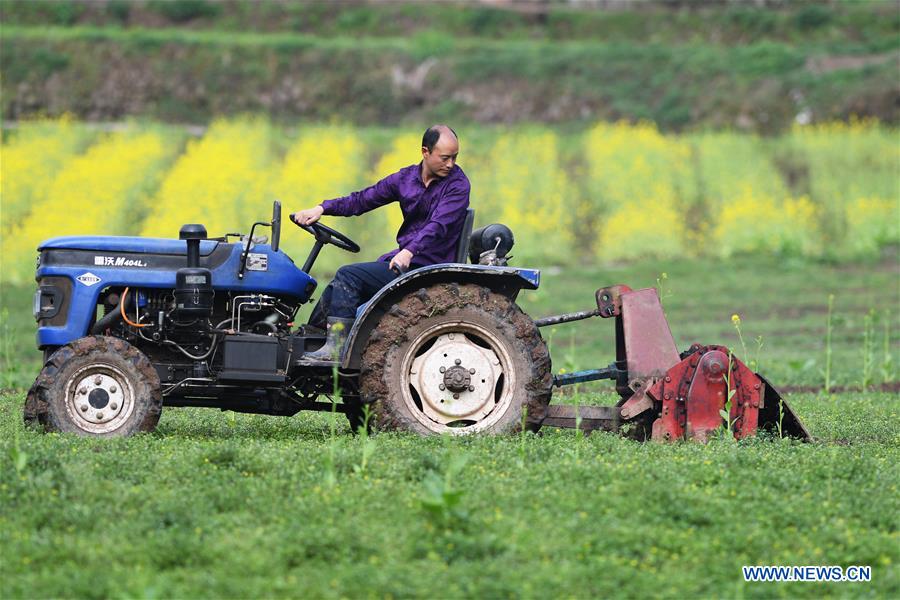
720 66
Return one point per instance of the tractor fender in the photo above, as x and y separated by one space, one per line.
503 280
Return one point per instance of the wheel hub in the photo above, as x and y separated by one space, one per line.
99 398
456 379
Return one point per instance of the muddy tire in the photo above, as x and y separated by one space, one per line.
456 359
95 386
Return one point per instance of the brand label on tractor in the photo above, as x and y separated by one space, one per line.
118 261
257 262
88 279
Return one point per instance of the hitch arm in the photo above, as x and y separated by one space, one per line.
609 304
566 318
610 372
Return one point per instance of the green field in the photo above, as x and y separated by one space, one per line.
222 505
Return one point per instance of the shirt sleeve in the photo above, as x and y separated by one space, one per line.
357 203
450 211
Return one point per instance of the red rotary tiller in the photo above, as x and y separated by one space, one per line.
665 395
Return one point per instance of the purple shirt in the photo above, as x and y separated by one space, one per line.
432 217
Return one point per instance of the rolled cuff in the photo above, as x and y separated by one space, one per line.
332 207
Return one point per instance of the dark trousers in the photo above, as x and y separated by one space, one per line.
352 286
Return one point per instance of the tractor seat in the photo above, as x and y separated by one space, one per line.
462 249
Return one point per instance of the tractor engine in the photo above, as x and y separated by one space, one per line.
194 332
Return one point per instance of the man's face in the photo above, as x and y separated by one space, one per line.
442 158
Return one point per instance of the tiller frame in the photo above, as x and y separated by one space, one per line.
667 395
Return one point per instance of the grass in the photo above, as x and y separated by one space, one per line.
224 505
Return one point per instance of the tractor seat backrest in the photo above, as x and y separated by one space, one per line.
462 249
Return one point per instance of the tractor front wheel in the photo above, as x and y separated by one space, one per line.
456 359
95 386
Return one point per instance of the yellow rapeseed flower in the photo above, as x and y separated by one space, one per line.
32 155
531 194
872 223
751 222
97 193
222 180
640 183
323 163
626 191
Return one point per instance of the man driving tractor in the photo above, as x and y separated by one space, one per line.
433 197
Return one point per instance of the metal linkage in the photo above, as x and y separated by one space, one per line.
566 318
610 372
609 304
587 418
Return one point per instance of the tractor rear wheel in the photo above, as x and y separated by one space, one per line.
95 386
456 359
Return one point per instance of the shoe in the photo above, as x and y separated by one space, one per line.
329 353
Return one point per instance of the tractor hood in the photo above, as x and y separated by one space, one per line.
78 269
140 245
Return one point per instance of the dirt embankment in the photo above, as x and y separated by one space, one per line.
381 81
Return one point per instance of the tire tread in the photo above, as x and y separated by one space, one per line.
47 387
393 330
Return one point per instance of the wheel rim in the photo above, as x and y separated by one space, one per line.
457 378
99 398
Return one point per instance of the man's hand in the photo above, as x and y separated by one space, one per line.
308 216
400 262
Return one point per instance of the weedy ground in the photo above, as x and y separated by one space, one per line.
221 505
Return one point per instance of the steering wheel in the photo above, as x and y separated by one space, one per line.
327 235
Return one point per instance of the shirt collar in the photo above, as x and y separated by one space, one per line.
448 177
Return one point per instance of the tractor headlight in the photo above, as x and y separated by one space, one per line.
50 298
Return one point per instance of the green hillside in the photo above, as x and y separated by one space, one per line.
680 65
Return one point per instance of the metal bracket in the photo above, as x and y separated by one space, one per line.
609 300
589 418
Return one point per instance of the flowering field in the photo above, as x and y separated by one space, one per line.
612 192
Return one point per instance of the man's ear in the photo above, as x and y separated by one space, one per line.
424 151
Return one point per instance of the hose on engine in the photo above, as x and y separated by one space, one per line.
108 320
124 316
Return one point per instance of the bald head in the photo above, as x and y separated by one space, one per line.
435 133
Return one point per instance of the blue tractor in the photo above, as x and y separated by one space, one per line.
130 324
